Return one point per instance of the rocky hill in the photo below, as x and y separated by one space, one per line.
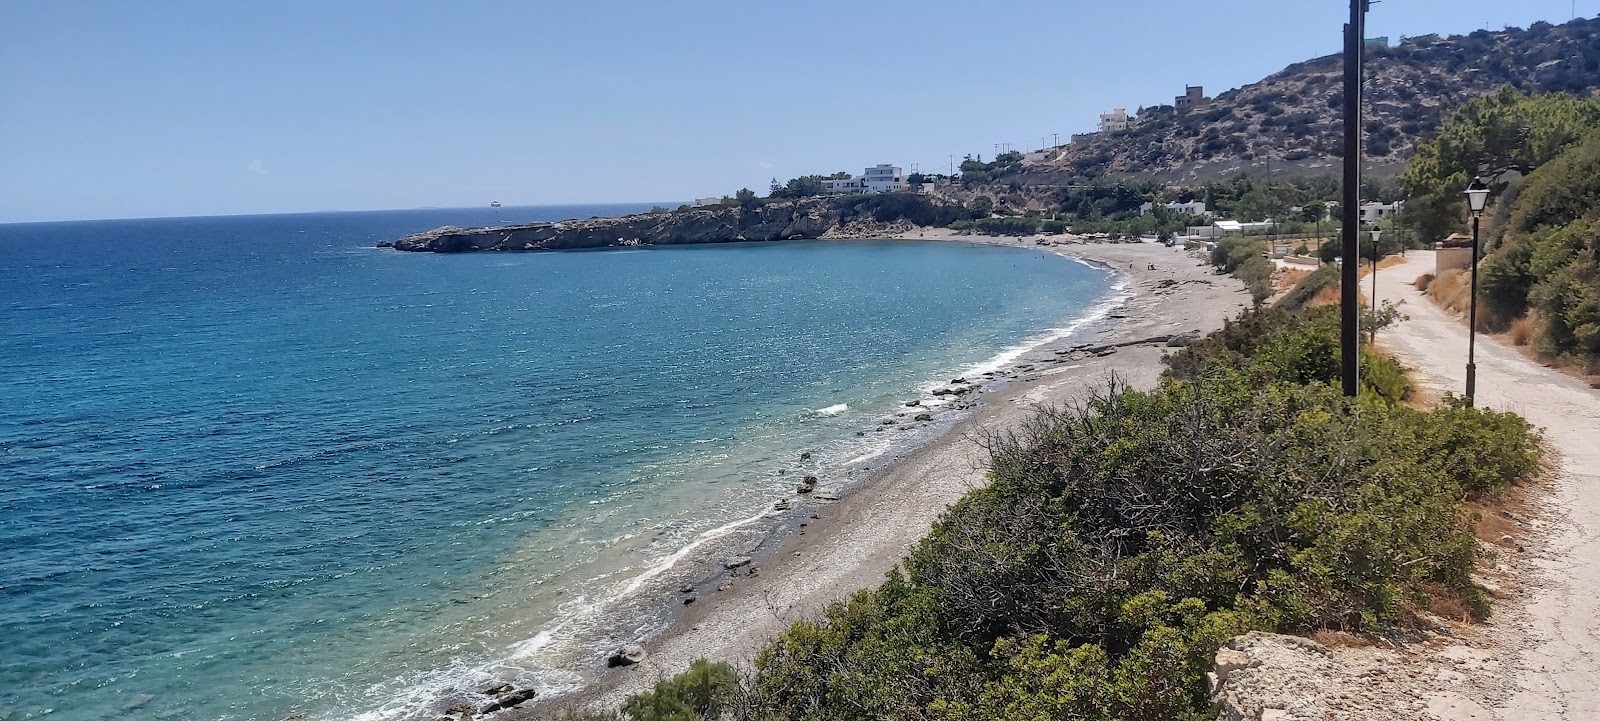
757 220
1290 123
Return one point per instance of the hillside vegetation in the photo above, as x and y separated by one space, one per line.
1121 541
1291 120
1541 155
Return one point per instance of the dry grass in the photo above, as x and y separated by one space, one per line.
1339 639
1423 281
1452 289
1326 296
1452 604
1287 278
1524 329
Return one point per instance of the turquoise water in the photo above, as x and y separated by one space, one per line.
253 466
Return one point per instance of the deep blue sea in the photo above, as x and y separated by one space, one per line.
254 466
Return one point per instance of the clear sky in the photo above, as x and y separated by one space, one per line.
197 107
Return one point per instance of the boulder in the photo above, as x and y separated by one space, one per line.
498 689
941 392
913 404
810 480
462 709
736 562
804 489
513 699
1183 339
688 600
924 416
806 456
627 656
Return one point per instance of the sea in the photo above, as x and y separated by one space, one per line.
255 466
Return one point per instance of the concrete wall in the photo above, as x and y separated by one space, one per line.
1446 258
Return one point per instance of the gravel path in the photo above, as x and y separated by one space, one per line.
1551 645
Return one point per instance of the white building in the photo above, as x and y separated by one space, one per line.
847 186
1115 121
1374 212
883 178
703 202
1197 207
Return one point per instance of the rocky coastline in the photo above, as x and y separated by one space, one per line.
806 219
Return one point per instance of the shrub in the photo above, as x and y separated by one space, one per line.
1323 277
1122 540
702 692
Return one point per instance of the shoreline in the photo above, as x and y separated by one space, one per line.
817 548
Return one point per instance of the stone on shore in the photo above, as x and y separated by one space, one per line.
511 699
627 655
924 417
1183 339
736 562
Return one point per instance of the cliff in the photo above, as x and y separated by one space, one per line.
765 221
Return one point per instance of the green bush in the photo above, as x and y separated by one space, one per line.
702 692
1120 542
1323 277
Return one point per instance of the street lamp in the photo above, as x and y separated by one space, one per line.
1376 234
1477 198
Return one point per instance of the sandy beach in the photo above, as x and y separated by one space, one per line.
825 549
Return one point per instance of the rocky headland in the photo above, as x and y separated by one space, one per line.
809 218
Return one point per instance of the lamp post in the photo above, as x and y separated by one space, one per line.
1477 198
1373 331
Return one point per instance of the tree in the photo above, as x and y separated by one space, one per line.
745 197
1490 137
805 186
981 206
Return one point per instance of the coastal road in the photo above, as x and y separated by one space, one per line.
1555 666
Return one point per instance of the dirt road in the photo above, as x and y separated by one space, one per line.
1556 670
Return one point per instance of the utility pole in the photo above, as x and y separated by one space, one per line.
1349 292
1055 140
952 165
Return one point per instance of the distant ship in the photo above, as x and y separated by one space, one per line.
494 203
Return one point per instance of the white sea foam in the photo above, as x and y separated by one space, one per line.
833 410
1116 298
867 456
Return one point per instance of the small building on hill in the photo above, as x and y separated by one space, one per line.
1193 96
1197 207
1115 121
881 178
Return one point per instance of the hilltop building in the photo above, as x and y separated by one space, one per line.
1115 121
1193 96
883 178
703 202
